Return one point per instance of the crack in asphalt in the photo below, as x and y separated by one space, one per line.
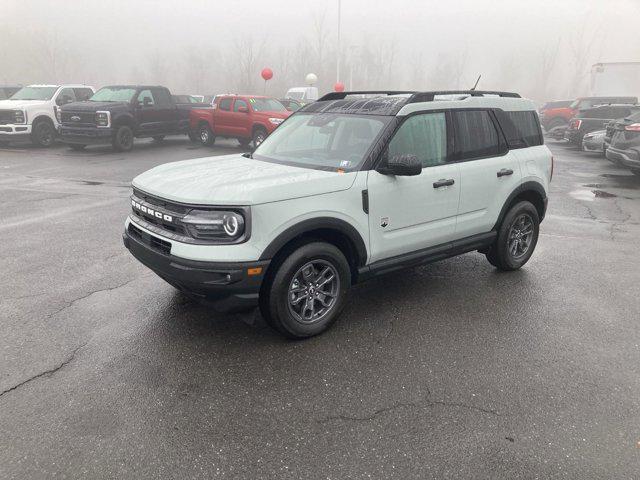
395 406
46 373
69 304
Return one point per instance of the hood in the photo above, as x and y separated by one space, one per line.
88 106
236 180
20 104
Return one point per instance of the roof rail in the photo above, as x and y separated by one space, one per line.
430 96
342 95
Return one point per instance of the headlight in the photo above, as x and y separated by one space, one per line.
276 121
215 224
103 119
19 116
58 113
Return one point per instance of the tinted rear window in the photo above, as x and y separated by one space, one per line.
522 129
475 135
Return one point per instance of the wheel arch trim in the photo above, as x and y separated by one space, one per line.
530 186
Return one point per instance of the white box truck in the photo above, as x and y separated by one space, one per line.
618 78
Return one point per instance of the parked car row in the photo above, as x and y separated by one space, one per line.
78 115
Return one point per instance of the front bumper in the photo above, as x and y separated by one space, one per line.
14 131
85 135
627 158
227 286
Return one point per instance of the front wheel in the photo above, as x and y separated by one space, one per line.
307 292
517 237
258 136
123 139
43 133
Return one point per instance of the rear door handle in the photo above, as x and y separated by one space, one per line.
505 172
443 183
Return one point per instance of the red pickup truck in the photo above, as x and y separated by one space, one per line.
249 118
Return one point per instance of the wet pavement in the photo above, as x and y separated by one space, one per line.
450 370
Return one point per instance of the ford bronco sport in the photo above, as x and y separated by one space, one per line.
349 187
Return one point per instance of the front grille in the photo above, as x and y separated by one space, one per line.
155 243
161 213
80 119
6 117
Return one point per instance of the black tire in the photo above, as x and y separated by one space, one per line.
245 142
207 138
514 247
259 134
77 147
278 307
158 138
43 133
123 139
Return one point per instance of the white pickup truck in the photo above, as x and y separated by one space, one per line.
32 112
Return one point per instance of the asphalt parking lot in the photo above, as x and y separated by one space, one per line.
450 370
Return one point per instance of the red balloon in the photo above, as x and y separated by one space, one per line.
339 87
267 74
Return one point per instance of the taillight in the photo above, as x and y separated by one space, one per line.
634 127
575 124
553 162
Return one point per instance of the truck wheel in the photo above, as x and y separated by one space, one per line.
123 139
77 147
207 137
158 138
517 238
259 135
307 292
43 134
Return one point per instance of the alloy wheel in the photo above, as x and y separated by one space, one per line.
520 236
313 291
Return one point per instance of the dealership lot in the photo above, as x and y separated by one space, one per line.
446 370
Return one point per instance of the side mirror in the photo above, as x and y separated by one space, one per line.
402 166
243 110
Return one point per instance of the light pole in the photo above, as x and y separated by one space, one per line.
338 49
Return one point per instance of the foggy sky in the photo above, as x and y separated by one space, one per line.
542 49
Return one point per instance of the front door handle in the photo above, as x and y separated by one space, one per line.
505 172
443 183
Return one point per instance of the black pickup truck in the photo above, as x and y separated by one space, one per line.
116 114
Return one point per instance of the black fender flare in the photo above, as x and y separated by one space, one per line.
520 189
319 223
125 119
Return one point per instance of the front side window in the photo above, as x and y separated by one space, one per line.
424 136
35 93
266 105
325 141
475 135
162 97
113 94
145 98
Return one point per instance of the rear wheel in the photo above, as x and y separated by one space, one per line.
259 135
77 147
43 133
307 292
123 139
206 135
517 237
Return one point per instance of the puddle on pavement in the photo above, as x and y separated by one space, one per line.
603 194
590 195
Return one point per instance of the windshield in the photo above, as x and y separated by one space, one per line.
113 94
266 105
322 141
35 93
